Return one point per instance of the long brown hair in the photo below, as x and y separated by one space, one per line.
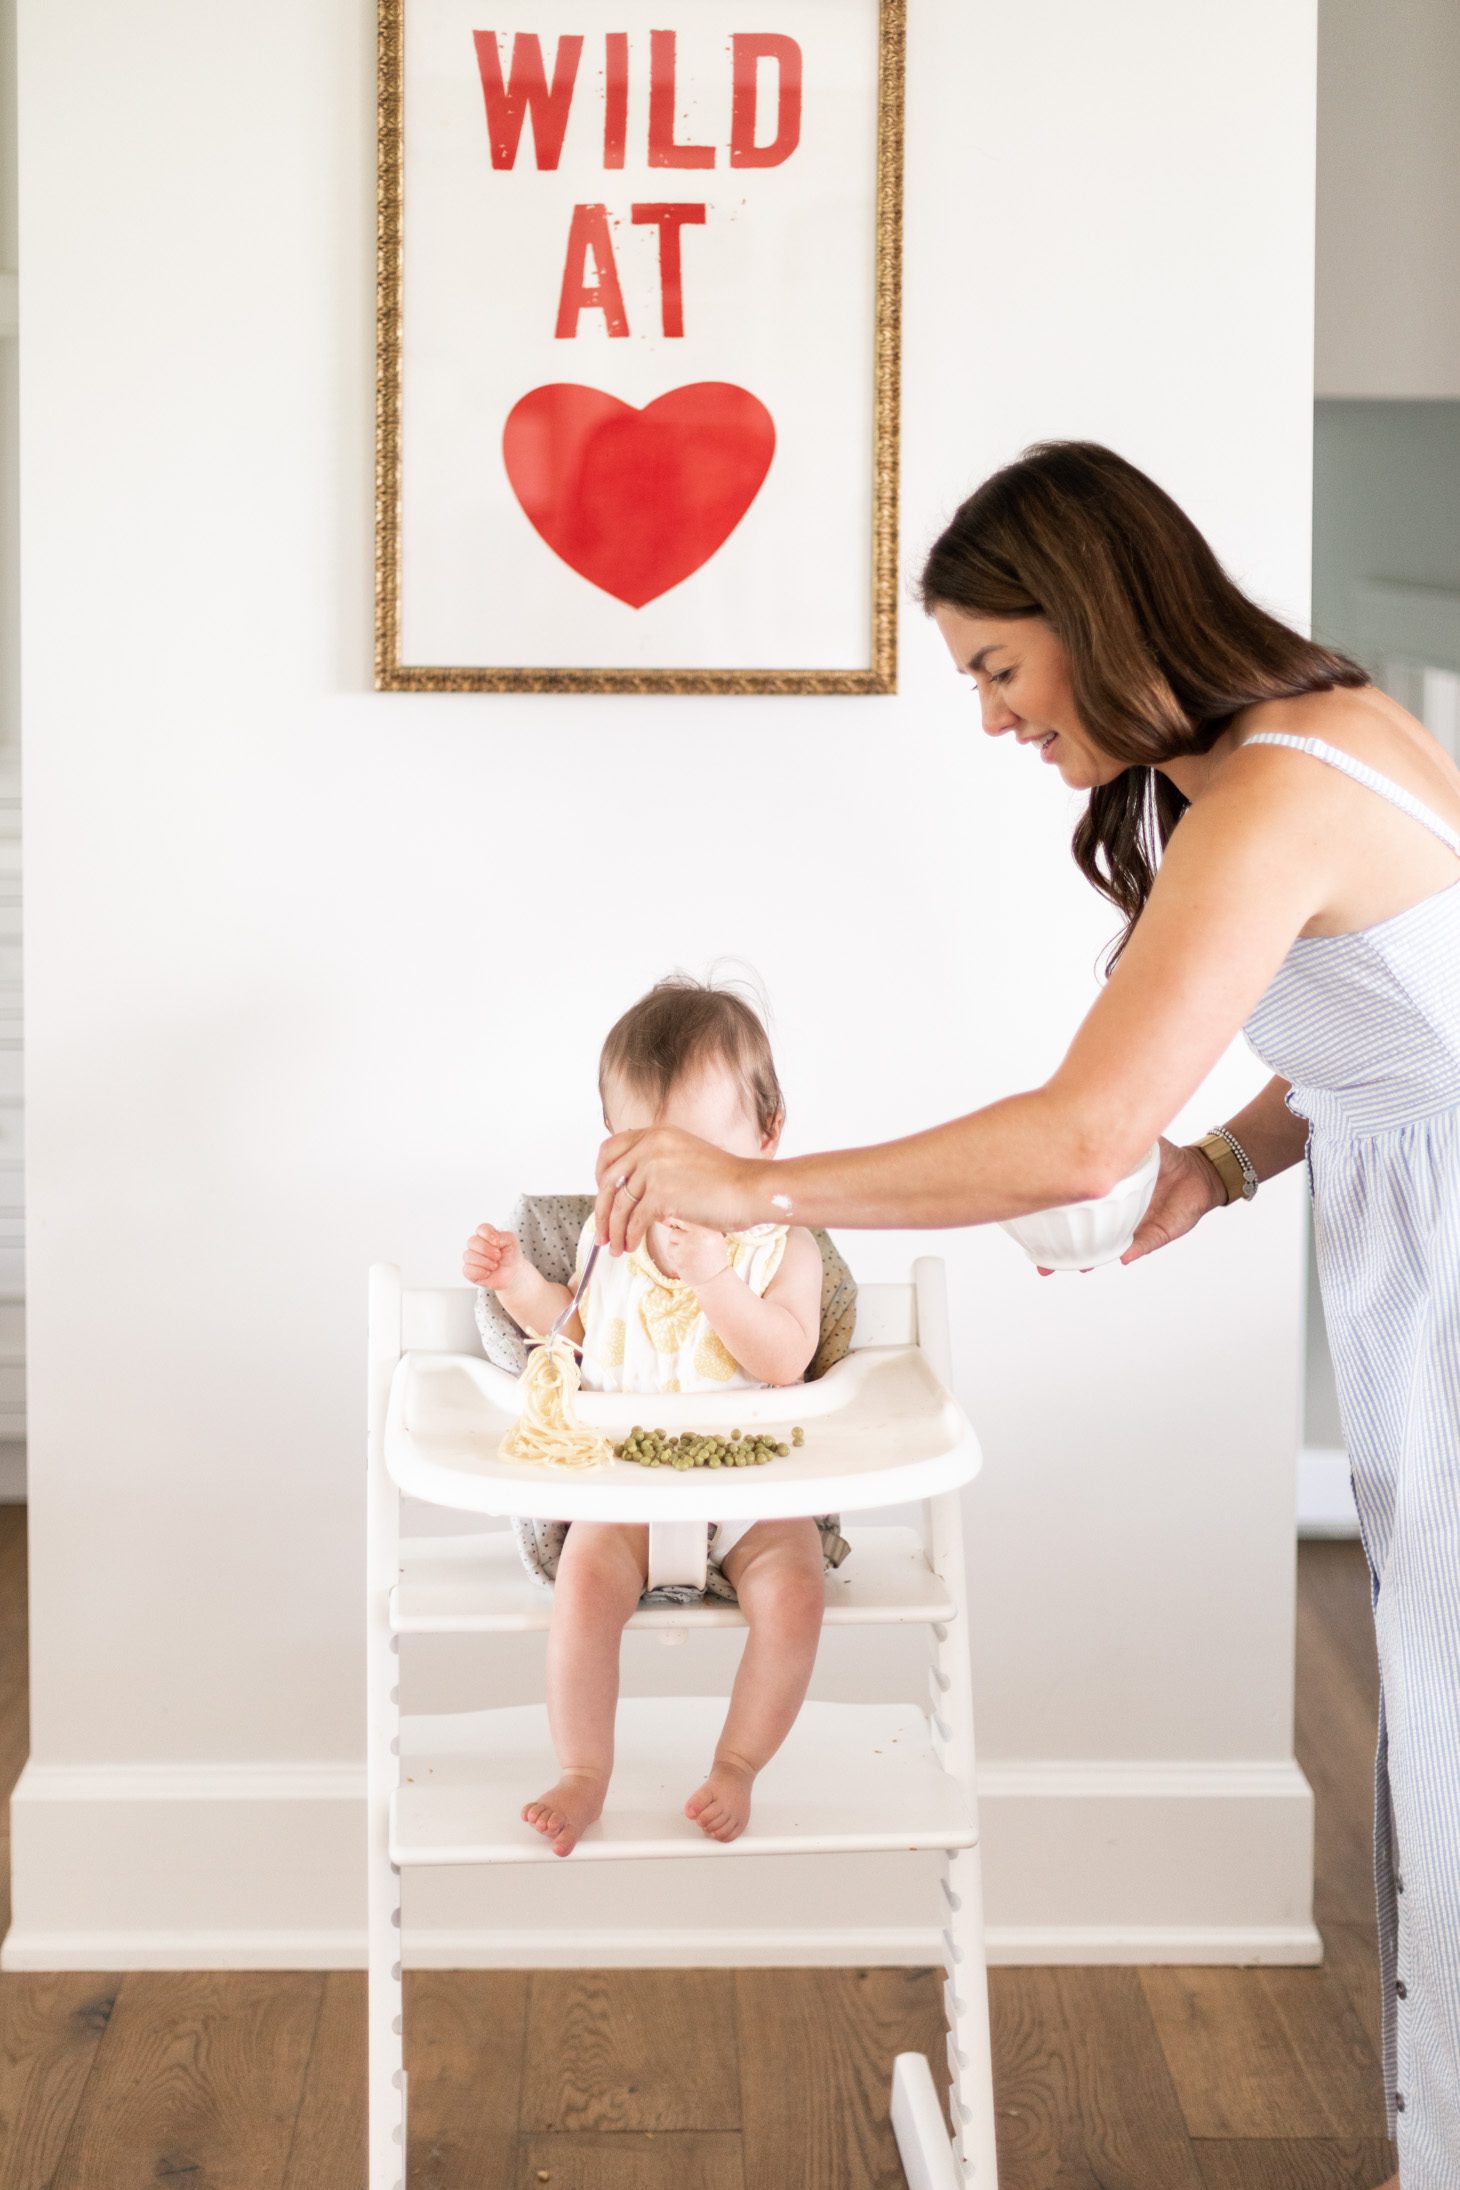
1163 648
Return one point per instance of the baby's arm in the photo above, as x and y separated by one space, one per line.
495 1259
772 1337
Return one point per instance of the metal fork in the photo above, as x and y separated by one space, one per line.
578 1295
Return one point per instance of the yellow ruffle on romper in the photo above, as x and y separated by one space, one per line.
645 1332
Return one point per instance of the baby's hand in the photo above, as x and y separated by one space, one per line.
492 1258
694 1254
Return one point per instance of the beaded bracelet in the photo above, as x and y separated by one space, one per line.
1230 1150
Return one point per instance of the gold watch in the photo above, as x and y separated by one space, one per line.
1231 1163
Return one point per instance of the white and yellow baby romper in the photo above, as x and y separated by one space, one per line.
645 1332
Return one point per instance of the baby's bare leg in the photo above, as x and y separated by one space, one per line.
777 1572
600 1579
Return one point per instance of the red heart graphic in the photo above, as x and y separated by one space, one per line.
635 501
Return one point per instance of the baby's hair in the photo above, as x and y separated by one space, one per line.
680 1025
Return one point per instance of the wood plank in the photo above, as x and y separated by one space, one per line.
631 2049
1351 1956
200 2075
1334 1739
680 2160
1334 1581
1294 2163
817 2047
50 2029
1082 2091
1266 2053
328 2147
465 2032
13 1536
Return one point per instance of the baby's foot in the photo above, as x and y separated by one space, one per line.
721 1807
566 1811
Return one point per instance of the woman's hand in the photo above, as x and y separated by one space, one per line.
648 1178
1187 1189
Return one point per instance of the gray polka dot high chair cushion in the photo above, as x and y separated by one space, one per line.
548 1227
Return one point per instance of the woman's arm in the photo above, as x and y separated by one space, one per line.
1268 1130
1189 1186
1242 875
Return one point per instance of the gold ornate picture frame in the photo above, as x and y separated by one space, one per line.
638 305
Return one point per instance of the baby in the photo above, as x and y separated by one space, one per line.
689 1311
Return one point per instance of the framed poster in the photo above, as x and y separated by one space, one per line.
639 282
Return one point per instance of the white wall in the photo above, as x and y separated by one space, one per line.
289 939
1388 318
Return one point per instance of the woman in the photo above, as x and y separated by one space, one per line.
1310 896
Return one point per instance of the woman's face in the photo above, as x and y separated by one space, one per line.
1022 676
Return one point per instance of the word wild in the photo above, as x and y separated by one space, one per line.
528 100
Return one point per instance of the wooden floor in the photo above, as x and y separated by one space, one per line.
1106 2079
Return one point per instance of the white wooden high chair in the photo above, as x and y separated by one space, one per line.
881 1429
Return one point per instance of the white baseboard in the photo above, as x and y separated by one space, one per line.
1325 1493
856 1947
147 1867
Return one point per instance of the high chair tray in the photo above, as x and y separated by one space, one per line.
880 1430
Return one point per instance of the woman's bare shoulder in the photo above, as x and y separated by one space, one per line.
1375 859
1362 722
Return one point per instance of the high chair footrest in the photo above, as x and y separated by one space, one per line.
851 1777
477 1584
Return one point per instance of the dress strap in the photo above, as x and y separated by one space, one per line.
1363 773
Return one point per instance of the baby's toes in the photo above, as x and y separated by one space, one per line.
713 1813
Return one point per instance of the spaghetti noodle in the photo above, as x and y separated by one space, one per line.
548 1432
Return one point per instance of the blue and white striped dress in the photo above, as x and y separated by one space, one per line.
1367 1029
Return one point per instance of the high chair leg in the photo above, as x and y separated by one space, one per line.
385 1998
965 1994
966 2001
929 2161
384 2016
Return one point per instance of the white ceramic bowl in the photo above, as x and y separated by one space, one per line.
1083 1234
